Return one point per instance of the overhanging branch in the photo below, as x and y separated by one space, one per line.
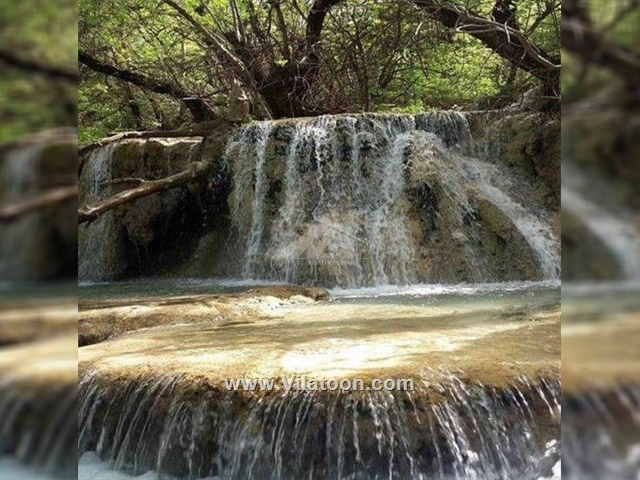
580 39
509 43
143 189
198 108
32 66
9 213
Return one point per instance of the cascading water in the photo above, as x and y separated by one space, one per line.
41 244
331 200
98 235
468 432
348 201
601 435
103 244
38 408
158 403
610 226
17 183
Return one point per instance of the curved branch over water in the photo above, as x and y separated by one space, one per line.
87 214
9 213
508 42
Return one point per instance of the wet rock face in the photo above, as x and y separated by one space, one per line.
154 233
526 141
42 245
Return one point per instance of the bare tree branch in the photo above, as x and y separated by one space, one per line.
9 213
550 7
580 38
88 148
199 109
57 135
145 188
33 66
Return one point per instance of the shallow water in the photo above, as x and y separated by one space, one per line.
599 300
164 287
360 330
11 291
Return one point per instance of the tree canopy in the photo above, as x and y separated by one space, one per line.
38 72
603 43
159 65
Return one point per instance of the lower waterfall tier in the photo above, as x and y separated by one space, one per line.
484 404
38 407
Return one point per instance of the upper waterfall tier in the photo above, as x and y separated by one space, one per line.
344 200
379 199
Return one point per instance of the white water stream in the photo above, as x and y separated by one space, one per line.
327 199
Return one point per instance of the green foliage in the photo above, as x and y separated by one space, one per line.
376 55
45 32
618 22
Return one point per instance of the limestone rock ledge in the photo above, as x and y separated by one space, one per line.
101 320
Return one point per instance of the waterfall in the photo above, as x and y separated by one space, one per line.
600 434
610 225
17 183
448 431
38 406
96 246
496 186
115 242
331 200
258 204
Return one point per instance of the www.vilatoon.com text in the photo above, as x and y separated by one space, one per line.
322 384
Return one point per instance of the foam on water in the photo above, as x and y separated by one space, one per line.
12 470
424 290
90 467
